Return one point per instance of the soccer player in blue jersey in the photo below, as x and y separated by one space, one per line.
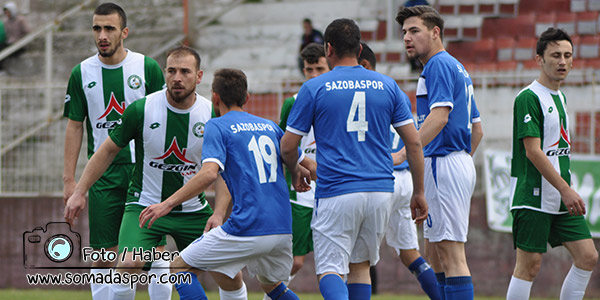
401 232
449 130
351 110
258 234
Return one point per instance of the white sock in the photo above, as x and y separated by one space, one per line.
240 294
159 291
575 283
99 291
121 292
518 289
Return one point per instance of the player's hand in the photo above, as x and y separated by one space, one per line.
573 202
418 207
399 157
68 189
301 179
311 165
152 213
213 222
74 205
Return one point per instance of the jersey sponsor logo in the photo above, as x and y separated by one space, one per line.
527 118
565 151
108 124
91 85
353 84
154 125
309 149
186 167
134 82
113 105
198 130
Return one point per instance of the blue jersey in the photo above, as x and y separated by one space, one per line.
445 82
351 109
246 148
397 142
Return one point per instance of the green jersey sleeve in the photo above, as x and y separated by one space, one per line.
155 80
75 101
130 124
285 112
528 115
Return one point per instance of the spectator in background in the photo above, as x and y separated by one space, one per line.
15 25
310 35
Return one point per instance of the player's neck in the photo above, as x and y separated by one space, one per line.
116 58
437 48
183 105
224 109
346 61
549 83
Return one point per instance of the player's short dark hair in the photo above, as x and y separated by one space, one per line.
231 85
344 36
312 53
307 20
110 8
367 54
428 14
182 50
551 35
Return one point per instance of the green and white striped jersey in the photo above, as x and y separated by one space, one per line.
99 93
539 112
168 148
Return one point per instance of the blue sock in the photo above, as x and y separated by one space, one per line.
359 291
332 287
441 284
281 292
459 287
426 278
191 291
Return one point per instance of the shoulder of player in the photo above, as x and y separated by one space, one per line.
203 102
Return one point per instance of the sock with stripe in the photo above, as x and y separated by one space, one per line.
426 278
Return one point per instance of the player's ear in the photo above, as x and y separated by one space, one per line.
200 74
328 50
247 98
125 32
539 60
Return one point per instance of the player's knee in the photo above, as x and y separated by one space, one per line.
588 260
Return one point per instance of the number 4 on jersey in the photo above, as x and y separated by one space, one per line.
361 126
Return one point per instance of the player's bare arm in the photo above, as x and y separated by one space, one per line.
431 127
92 172
73 138
570 198
207 175
414 154
222 201
289 154
311 166
476 136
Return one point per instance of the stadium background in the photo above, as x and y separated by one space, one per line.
495 40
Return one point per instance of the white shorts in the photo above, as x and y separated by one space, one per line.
217 251
401 232
449 185
349 229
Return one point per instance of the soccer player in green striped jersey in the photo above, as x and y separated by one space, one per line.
545 209
99 89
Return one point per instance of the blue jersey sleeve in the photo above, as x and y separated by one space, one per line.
213 149
402 110
475 116
440 85
301 115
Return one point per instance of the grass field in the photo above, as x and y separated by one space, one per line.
68 295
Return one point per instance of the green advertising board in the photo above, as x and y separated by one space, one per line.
585 179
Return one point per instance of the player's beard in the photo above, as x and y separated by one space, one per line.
178 98
110 52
